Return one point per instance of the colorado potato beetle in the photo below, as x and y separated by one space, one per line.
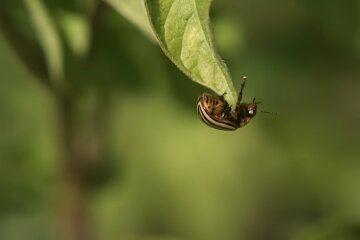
215 111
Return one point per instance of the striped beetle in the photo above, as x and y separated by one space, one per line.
216 112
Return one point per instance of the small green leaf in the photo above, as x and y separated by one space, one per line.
135 12
76 29
48 37
183 30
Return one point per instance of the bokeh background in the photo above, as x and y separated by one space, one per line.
116 150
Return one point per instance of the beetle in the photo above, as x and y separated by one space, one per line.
215 111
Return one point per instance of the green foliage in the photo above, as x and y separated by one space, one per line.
135 12
48 38
183 31
184 34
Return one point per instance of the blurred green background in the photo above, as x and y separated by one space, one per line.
143 166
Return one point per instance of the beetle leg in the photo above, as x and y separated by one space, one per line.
226 112
241 90
222 96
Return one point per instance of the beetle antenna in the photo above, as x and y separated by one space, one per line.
272 113
256 102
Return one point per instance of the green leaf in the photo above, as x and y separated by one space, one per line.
48 37
135 12
77 32
14 21
183 30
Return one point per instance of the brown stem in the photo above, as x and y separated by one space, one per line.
76 219
76 215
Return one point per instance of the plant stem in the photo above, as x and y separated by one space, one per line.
74 200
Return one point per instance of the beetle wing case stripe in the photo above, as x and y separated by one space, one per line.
213 122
